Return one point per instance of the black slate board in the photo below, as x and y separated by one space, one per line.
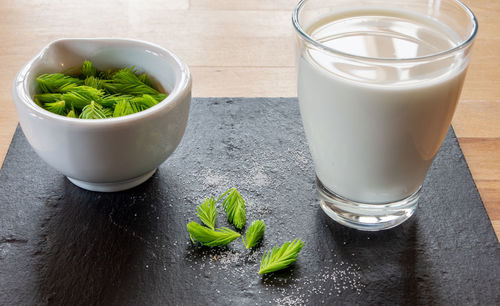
62 245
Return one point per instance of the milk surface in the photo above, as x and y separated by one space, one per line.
374 128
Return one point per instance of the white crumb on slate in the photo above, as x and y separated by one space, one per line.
334 278
214 179
300 157
289 300
258 177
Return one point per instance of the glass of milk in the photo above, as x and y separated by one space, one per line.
378 83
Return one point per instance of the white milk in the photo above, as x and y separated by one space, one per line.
373 130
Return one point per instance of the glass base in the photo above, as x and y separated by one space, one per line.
366 216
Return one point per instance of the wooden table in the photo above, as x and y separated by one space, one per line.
243 48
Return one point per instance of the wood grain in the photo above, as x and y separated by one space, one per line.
243 48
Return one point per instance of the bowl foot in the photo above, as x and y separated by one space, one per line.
115 186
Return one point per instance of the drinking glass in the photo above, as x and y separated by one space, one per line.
378 83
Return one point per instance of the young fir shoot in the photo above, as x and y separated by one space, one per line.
254 234
72 114
58 107
56 82
159 97
207 212
125 81
108 112
81 96
119 92
280 257
88 69
94 82
48 97
106 74
124 107
144 78
235 208
110 101
144 102
211 237
92 111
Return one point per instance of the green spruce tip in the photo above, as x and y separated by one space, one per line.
106 74
124 108
72 114
209 237
58 107
280 257
254 233
94 82
93 111
160 97
145 79
125 81
235 207
144 102
48 97
111 100
207 212
81 96
108 112
88 69
56 82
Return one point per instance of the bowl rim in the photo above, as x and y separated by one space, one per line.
181 88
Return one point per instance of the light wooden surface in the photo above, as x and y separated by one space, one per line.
243 48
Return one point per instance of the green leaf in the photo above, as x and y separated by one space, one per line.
56 82
124 107
280 257
106 74
207 212
81 96
94 82
58 107
144 102
145 79
254 234
108 112
159 97
68 87
209 237
88 69
235 208
48 97
110 101
125 81
72 114
92 111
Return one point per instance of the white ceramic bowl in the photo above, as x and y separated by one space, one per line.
106 154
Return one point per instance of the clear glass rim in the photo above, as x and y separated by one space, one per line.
303 34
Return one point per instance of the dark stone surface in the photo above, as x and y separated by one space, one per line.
62 245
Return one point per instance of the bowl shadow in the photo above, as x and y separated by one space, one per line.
92 243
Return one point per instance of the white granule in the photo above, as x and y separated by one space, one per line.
212 179
334 278
299 157
289 300
258 177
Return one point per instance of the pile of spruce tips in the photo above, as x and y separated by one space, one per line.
95 94
278 258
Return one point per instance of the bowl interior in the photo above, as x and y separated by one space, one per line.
166 71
